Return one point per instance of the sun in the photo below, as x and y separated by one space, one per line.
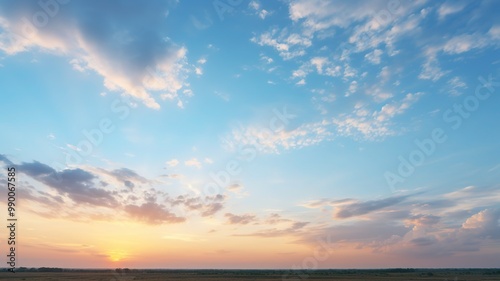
117 255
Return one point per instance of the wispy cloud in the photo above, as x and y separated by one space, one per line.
240 219
193 162
449 8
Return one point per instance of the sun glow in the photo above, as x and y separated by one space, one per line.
117 255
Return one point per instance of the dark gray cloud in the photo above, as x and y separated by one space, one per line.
153 213
295 229
80 186
77 184
128 184
128 177
424 241
211 209
275 218
4 159
206 206
213 204
360 232
434 204
29 193
127 174
362 208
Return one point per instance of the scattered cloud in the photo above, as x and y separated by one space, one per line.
450 7
77 184
288 45
240 219
374 56
257 7
152 213
455 86
96 193
362 208
172 163
193 162
423 225
295 228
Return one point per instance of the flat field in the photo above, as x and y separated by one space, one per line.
260 275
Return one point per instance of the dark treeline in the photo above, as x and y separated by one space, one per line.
256 272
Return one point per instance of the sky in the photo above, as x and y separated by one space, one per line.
252 134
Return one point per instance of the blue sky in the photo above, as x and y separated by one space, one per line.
230 114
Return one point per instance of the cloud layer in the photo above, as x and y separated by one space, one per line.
123 41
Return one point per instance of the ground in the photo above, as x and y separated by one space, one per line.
261 275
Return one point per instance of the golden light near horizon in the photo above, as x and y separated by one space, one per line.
117 255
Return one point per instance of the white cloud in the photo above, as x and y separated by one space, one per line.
78 65
384 74
172 163
454 46
388 111
374 125
329 98
494 32
450 7
288 45
320 14
267 141
374 56
193 162
319 62
198 70
352 88
378 93
360 123
465 42
266 59
323 66
75 148
431 69
456 85
223 96
299 73
256 6
238 190
349 72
